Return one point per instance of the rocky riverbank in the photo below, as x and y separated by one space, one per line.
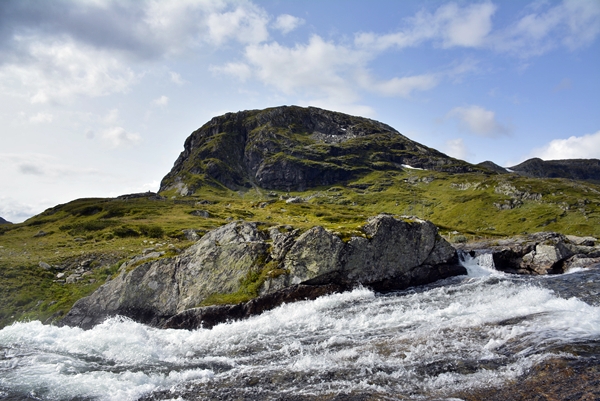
268 266
243 268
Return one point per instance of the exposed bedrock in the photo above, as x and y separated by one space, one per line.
272 265
539 253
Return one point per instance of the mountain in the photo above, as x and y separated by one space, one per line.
294 148
575 169
493 166
2 221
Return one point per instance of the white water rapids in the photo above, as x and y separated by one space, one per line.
467 332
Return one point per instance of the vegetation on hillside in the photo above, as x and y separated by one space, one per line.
103 233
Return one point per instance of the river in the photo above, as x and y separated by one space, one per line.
482 331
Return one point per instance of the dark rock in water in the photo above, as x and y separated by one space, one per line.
295 148
284 266
209 316
575 169
539 253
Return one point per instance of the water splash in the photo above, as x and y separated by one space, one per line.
482 330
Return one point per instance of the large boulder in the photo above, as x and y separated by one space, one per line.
394 253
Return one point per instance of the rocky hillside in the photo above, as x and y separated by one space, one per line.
294 148
574 169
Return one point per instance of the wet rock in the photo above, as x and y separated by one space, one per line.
538 253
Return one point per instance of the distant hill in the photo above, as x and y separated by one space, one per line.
295 148
493 166
2 221
575 169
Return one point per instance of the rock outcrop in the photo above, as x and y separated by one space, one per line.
539 253
272 265
294 148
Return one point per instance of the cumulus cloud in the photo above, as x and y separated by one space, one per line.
479 121
574 147
572 23
60 50
318 66
118 137
287 23
246 24
457 149
59 70
449 26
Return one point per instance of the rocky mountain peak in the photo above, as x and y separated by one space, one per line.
295 148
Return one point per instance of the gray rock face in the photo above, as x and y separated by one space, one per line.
396 253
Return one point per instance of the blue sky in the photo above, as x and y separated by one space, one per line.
97 97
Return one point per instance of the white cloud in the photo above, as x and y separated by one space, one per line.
176 78
457 149
40 165
246 24
119 137
574 147
479 121
161 101
572 23
112 117
287 23
399 86
62 69
17 212
41 118
449 26
241 71
318 67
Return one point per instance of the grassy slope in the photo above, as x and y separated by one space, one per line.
113 230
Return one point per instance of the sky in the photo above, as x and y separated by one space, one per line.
97 96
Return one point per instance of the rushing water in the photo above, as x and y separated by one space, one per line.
464 333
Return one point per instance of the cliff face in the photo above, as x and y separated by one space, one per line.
295 148
574 169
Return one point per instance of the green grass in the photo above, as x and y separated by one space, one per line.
124 228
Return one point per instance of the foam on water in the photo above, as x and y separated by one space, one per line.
422 341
